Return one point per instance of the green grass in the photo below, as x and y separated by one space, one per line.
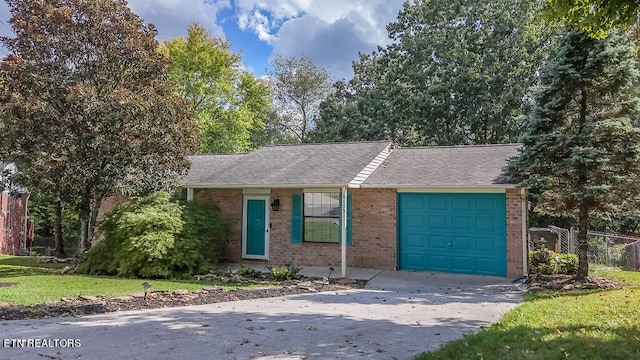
581 324
40 283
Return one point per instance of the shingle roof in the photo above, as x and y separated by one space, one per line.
334 164
444 166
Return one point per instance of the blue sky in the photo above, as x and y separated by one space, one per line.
330 32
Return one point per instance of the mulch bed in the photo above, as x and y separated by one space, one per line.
568 282
89 305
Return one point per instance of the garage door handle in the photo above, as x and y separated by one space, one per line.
449 244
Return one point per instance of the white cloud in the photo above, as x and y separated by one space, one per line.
172 17
330 32
258 23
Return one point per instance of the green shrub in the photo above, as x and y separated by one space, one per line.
286 272
248 272
138 236
200 244
547 262
156 237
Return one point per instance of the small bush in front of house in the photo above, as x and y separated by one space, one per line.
157 237
200 244
248 272
284 272
138 236
545 261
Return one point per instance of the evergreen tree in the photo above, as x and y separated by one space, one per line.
581 147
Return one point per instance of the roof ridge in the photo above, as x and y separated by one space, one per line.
329 143
457 146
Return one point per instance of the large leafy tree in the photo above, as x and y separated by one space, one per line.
456 73
299 86
230 103
595 17
86 107
581 148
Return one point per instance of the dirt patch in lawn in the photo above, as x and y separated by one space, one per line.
5 284
569 282
88 305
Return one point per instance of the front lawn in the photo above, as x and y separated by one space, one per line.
38 283
581 324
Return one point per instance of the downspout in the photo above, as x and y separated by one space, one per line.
189 194
525 240
343 232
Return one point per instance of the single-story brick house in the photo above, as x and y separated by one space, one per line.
446 209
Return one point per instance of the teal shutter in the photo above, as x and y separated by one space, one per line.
348 219
297 218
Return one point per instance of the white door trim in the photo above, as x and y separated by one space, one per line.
267 222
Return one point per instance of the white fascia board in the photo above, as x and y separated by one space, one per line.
262 186
442 188
371 167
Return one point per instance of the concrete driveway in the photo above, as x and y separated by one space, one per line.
399 315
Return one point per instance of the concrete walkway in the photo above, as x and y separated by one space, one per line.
397 316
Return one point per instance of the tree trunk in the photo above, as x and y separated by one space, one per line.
583 210
57 227
88 217
84 213
583 245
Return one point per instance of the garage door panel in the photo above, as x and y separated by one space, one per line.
452 232
414 221
437 242
437 262
485 266
460 203
463 265
413 204
415 243
437 222
461 223
463 243
436 203
414 261
489 243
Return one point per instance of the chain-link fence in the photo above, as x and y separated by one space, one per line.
613 249
604 248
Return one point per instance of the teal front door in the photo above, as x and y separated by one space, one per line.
256 229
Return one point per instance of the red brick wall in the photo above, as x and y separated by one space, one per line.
11 239
514 233
373 230
229 201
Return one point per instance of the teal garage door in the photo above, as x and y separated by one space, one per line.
452 232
